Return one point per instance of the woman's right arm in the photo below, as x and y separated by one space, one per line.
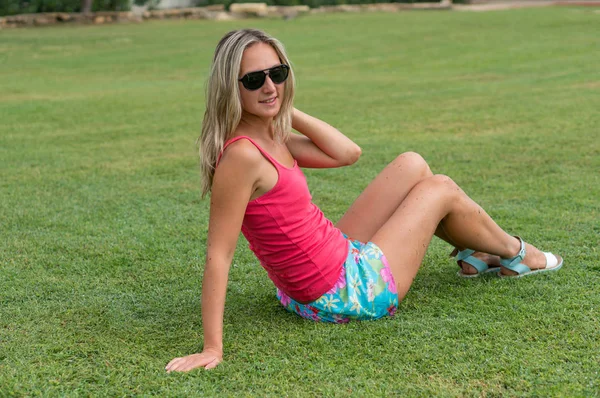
234 181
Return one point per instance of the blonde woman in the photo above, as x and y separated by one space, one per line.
356 269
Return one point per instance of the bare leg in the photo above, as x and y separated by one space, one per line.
405 236
384 194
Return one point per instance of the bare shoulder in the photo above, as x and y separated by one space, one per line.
240 164
241 153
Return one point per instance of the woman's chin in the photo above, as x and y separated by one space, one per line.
267 113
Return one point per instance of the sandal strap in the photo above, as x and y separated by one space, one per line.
515 263
551 260
466 256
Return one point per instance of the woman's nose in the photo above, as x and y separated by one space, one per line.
269 85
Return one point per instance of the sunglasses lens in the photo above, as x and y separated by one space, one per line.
254 80
279 74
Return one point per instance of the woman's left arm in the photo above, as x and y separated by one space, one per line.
320 145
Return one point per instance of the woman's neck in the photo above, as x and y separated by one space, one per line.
256 126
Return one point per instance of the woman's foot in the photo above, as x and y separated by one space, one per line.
536 260
466 269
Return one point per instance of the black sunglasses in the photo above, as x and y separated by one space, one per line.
255 80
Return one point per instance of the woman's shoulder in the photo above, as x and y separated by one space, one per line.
241 154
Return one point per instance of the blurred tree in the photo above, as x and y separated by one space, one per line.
86 6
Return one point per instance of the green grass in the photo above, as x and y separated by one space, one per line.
102 230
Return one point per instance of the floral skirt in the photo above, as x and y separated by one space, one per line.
365 289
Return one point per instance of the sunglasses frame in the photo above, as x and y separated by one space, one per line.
266 72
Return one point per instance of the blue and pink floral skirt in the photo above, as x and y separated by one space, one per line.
365 289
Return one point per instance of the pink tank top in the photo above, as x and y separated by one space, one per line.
301 250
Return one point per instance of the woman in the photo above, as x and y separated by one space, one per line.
337 273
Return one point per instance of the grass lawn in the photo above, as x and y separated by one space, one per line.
103 232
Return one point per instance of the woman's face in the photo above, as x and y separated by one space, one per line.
266 101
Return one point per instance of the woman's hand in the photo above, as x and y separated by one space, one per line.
208 359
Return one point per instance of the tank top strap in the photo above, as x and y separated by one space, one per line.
264 153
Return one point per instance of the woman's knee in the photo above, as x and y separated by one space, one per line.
441 185
413 162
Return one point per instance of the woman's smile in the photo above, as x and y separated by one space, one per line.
270 101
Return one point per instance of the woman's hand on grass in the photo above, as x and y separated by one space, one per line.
207 359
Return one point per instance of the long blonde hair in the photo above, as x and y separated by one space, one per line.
223 102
